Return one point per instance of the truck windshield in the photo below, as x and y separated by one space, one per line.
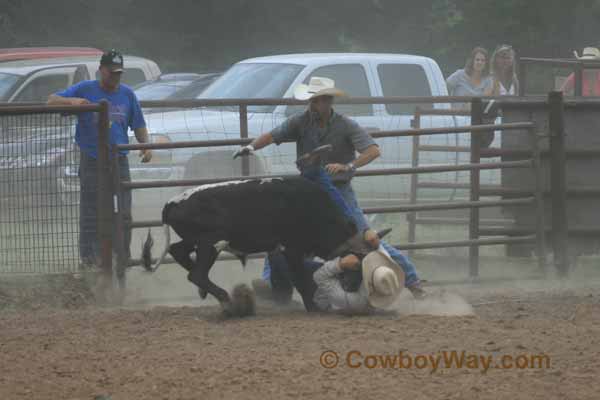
7 81
253 81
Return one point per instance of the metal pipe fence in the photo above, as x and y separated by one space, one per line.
473 242
110 186
558 191
476 152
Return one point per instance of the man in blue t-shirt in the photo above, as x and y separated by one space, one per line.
125 113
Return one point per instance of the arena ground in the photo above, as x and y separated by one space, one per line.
55 343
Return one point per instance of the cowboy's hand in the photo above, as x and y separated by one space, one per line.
350 263
372 238
145 155
336 168
244 151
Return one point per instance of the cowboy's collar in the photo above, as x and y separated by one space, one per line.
316 117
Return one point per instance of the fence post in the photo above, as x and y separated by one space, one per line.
104 191
414 181
578 79
558 181
476 119
522 71
119 222
244 135
540 221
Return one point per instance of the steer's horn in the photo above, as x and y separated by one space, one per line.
383 232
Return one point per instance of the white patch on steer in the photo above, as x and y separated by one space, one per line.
186 194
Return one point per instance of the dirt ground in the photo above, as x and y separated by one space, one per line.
75 349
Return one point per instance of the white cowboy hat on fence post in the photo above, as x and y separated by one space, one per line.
589 53
317 86
382 277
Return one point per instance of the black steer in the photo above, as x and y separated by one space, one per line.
252 216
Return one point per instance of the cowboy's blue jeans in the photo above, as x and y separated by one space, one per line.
345 198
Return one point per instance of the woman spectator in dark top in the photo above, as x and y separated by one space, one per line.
502 68
473 79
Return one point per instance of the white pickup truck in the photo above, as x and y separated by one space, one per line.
275 77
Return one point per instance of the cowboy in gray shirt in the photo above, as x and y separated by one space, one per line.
309 130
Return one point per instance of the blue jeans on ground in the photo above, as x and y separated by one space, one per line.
344 196
89 249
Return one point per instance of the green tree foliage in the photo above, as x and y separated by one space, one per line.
211 34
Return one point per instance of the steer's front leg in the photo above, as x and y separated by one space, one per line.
206 254
302 278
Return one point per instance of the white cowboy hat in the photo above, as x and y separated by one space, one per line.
317 86
382 277
589 53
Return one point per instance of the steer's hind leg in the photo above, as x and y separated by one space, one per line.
206 254
181 253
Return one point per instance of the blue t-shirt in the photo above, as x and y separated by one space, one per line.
125 112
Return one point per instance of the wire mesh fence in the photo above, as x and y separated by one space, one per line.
39 215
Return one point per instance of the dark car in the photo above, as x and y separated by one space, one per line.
164 86
174 89
195 87
175 86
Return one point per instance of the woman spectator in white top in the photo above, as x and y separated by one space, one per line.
473 79
504 77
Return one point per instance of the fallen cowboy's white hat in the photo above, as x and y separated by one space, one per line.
589 53
382 277
317 86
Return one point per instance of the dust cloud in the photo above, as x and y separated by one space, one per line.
437 303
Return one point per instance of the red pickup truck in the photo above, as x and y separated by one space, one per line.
30 53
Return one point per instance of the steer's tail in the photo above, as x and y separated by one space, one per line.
147 250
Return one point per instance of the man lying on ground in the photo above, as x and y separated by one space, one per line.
382 282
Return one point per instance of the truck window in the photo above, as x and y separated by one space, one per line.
131 76
403 80
38 89
81 74
352 79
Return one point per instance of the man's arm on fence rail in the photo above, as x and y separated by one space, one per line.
57 100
